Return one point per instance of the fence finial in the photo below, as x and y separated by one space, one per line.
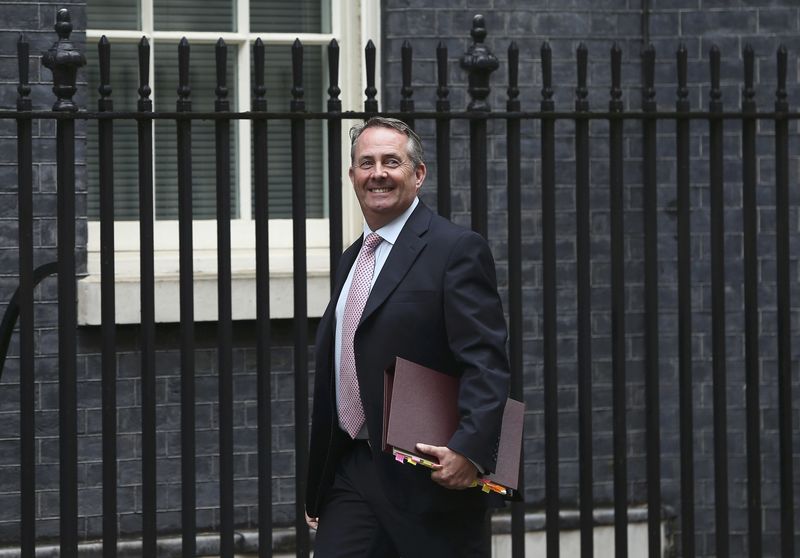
780 92
616 78
63 59
334 103
104 58
582 91
370 103
406 91
513 78
442 91
24 89
145 103
749 92
259 88
184 89
221 104
547 73
715 93
479 63
297 104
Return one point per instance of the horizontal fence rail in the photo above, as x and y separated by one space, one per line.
555 273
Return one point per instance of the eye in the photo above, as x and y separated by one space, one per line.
393 163
366 164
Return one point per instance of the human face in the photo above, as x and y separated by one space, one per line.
383 176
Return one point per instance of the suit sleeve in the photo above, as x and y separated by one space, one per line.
476 332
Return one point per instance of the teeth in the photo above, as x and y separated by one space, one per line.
380 190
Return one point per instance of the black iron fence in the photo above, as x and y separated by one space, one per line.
64 60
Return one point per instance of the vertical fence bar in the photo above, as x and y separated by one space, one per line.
783 262
616 185
300 321
222 129
718 309
750 226
63 59
685 406
652 375
370 103
513 163
27 386
107 310
406 91
334 161
584 288
146 256
442 134
186 285
549 327
479 63
263 326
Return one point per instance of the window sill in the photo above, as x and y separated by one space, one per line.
243 291
243 284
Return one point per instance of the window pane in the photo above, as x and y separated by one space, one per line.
193 15
298 16
124 83
278 69
202 80
113 14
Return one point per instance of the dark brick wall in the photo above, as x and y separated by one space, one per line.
698 24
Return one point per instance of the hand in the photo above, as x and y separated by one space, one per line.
454 471
312 522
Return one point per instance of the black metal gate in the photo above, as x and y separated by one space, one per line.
64 60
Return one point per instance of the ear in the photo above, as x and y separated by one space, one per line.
420 173
351 173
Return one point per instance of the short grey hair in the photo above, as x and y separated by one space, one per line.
415 152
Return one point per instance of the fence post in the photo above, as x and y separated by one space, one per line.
63 60
782 256
442 134
263 329
549 324
686 412
652 393
107 290
479 63
719 380
187 342
617 212
26 332
298 139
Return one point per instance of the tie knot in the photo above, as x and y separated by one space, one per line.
371 242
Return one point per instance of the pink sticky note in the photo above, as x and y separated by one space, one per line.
398 458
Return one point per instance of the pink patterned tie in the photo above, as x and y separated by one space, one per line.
351 410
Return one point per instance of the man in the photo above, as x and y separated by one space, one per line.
415 286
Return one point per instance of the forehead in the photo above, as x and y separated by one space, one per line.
379 141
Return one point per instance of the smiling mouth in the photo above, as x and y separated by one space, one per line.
380 190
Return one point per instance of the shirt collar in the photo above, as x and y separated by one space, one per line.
391 230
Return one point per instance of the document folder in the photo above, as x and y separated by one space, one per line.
421 405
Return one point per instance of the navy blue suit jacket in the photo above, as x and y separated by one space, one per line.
435 303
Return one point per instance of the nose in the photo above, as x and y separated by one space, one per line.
380 171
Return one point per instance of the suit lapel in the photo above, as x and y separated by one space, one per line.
404 252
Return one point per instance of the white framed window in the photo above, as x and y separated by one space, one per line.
239 23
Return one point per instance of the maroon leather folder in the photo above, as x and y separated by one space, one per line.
421 405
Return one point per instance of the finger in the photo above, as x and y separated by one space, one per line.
436 451
312 522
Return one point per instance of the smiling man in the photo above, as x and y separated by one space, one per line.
416 286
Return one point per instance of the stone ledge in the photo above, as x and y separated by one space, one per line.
246 541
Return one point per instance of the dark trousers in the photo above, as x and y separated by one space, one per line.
358 521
